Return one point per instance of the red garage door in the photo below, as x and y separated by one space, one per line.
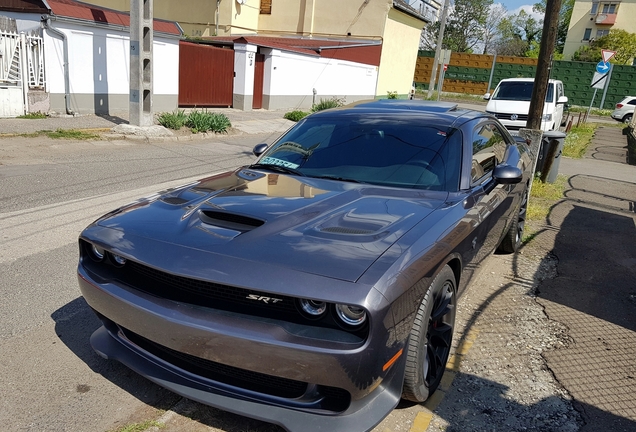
206 75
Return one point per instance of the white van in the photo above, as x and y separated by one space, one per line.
510 103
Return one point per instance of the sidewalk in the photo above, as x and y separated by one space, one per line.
249 122
592 234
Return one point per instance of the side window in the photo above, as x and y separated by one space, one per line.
489 146
594 8
559 90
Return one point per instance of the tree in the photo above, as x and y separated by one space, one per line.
621 41
490 29
519 35
465 27
565 15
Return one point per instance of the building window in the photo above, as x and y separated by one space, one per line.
587 34
266 7
601 33
609 8
594 8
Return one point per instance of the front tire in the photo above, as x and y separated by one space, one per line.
430 339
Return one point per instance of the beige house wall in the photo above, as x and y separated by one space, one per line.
326 17
399 54
196 17
583 19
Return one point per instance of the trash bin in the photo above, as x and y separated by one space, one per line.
543 154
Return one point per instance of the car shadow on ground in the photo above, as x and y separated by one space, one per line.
75 322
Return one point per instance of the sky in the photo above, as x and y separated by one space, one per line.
514 6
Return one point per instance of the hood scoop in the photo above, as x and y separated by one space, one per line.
229 220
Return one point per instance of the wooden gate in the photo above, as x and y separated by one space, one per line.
259 73
206 75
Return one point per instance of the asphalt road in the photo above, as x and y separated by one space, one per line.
50 190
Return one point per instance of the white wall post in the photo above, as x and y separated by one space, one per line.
244 61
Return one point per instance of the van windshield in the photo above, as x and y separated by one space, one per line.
519 91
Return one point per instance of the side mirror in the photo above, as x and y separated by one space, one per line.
487 96
259 149
563 100
507 174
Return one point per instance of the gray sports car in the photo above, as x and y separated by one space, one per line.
316 287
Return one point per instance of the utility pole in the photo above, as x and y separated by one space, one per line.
438 48
141 37
548 40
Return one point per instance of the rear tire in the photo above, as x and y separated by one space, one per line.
512 240
430 339
627 118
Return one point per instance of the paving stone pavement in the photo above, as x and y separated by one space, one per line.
594 292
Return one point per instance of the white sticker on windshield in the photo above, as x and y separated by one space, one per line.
274 161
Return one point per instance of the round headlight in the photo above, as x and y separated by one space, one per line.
351 315
118 259
97 252
313 308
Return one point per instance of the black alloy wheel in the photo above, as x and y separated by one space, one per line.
430 339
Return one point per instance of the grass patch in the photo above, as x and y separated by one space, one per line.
295 115
543 196
140 427
578 140
35 115
69 134
593 111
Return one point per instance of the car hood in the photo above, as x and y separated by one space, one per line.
323 227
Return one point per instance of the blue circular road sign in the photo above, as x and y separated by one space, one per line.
602 67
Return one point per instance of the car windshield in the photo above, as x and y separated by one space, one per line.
373 149
519 91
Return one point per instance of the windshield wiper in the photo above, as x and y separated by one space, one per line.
276 168
333 177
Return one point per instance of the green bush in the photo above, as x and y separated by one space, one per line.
391 95
219 123
174 120
295 115
324 104
203 121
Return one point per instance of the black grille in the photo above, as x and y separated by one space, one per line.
520 117
203 293
336 399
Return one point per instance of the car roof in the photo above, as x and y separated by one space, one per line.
442 114
525 80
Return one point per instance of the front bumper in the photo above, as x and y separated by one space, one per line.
256 346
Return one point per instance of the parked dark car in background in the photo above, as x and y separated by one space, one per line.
316 287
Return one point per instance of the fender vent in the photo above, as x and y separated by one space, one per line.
229 220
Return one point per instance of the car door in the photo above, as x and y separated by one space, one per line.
491 203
